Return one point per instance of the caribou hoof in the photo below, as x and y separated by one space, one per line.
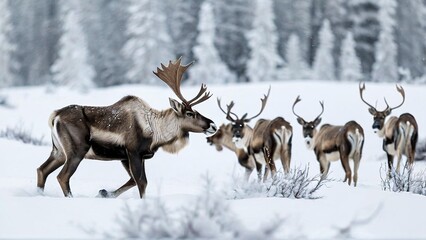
105 194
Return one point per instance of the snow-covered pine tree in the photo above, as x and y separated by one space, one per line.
323 67
334 11
263 42
182 21
149 43
410 34
103 22
296 67
350 65
293 17
72 67
233 19
36 33
208 68
386 68
365 27
7 47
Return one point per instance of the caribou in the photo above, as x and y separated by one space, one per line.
268 141
331 143
128 130
399 134
223 138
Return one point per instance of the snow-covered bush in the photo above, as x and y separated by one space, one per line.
404 181
208 216
18 133
296 184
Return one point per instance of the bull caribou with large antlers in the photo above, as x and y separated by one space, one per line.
331 143
399 133
268 141
128 130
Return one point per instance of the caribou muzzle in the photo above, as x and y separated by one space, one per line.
211 130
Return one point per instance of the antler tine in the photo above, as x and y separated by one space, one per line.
206 96
322 111
228 116
361 90
172 76
298 99
402 92
263 100
228 112
202 90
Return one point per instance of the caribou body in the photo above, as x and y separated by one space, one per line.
128 130
400 134
268 141
331 143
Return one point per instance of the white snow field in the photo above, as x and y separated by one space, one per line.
177 179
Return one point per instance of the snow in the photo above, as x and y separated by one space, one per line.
25 213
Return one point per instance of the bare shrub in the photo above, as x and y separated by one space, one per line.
18 133
405 181
295 184
150 220
207 216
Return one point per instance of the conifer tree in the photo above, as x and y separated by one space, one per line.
263 42
350 65
208 68
7 47
72 67
386 68
323 67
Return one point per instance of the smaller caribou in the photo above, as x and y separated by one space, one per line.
268 141
399 134
223 138
331 143
129 131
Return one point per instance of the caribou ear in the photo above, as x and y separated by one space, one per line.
372 111
301 121
317 121
388 111
176 106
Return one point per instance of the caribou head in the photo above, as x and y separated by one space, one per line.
192 121
239 123
309 128
380 116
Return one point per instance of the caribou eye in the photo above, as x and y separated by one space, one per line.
190 114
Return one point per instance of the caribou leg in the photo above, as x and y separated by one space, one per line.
67 171
258 169
344 159
129 184
54 161
137 170
390 165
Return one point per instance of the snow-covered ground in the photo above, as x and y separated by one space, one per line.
176 179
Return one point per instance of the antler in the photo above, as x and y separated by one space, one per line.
228 112
402 92
298 99
361 90
204 97
172 76
322 111
263 100
294 104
